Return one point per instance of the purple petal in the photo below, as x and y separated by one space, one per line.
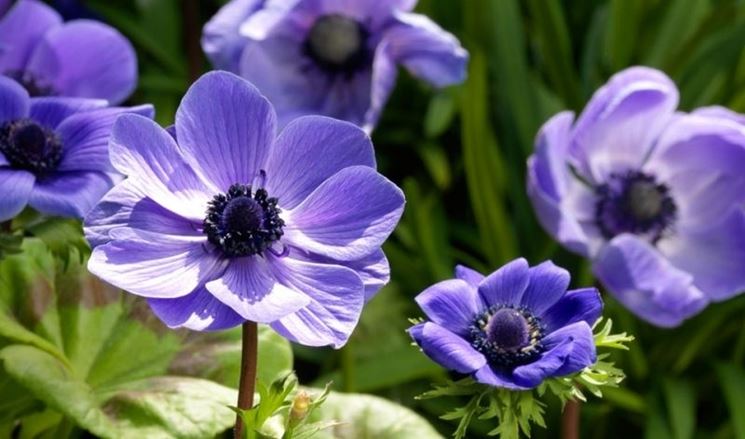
718 112
568 350
198 311
583 305
561 202
86 137
337 295
496 378
452 304
69 194
547 284
21 29
16 188
348 216
426 50
309 151
447 349
127 206
88 59
250 289
51 111
384 74
506 285
374 271
221 41
155 265
715 256
142 150
471 276
701 160
225 128
618 127
14 100
647 283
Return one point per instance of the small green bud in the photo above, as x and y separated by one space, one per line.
300 405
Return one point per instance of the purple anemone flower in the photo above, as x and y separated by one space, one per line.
512 329
227 222
80 58
653 197
332 57
54 151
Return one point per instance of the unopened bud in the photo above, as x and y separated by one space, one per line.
299 409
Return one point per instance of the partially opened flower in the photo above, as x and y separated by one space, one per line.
654 197
332 57
80 58
54 152
227 222
514 328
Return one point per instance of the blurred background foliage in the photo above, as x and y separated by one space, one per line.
459 154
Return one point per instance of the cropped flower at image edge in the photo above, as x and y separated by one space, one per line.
224 221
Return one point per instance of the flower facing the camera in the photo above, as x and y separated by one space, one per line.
332 57
513 329
653 197
224 221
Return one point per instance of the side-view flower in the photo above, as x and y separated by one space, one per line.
513 328
332 57
80 58
653 197
54 151
224 221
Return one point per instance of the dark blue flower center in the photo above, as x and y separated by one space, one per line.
33 85
634 202
507 336
337 43
30 146
243 222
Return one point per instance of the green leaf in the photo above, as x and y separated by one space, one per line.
680 399
440 113
63 237
732 380
680 21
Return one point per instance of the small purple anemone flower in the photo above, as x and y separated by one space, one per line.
653 197
227 222
332 57
54 151
80 58
514 328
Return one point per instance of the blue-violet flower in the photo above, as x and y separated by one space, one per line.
224 221
331 57
80 58
513 329
653 197
54 151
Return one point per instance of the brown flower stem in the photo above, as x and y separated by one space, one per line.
249 353
570 420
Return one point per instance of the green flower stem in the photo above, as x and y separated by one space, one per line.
570 420
249 353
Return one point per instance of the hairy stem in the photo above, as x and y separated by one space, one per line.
570 420
249 353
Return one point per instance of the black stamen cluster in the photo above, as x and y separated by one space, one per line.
498 356
242 222
30 146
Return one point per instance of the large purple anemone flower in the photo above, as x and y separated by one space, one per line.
514 328
226 222
653 197
54 152
332 57
80 58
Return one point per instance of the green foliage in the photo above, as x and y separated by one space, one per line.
515 411
78 354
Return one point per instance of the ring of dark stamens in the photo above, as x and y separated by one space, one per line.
336 29
506 353
243 222
29 146
634 202
33 85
